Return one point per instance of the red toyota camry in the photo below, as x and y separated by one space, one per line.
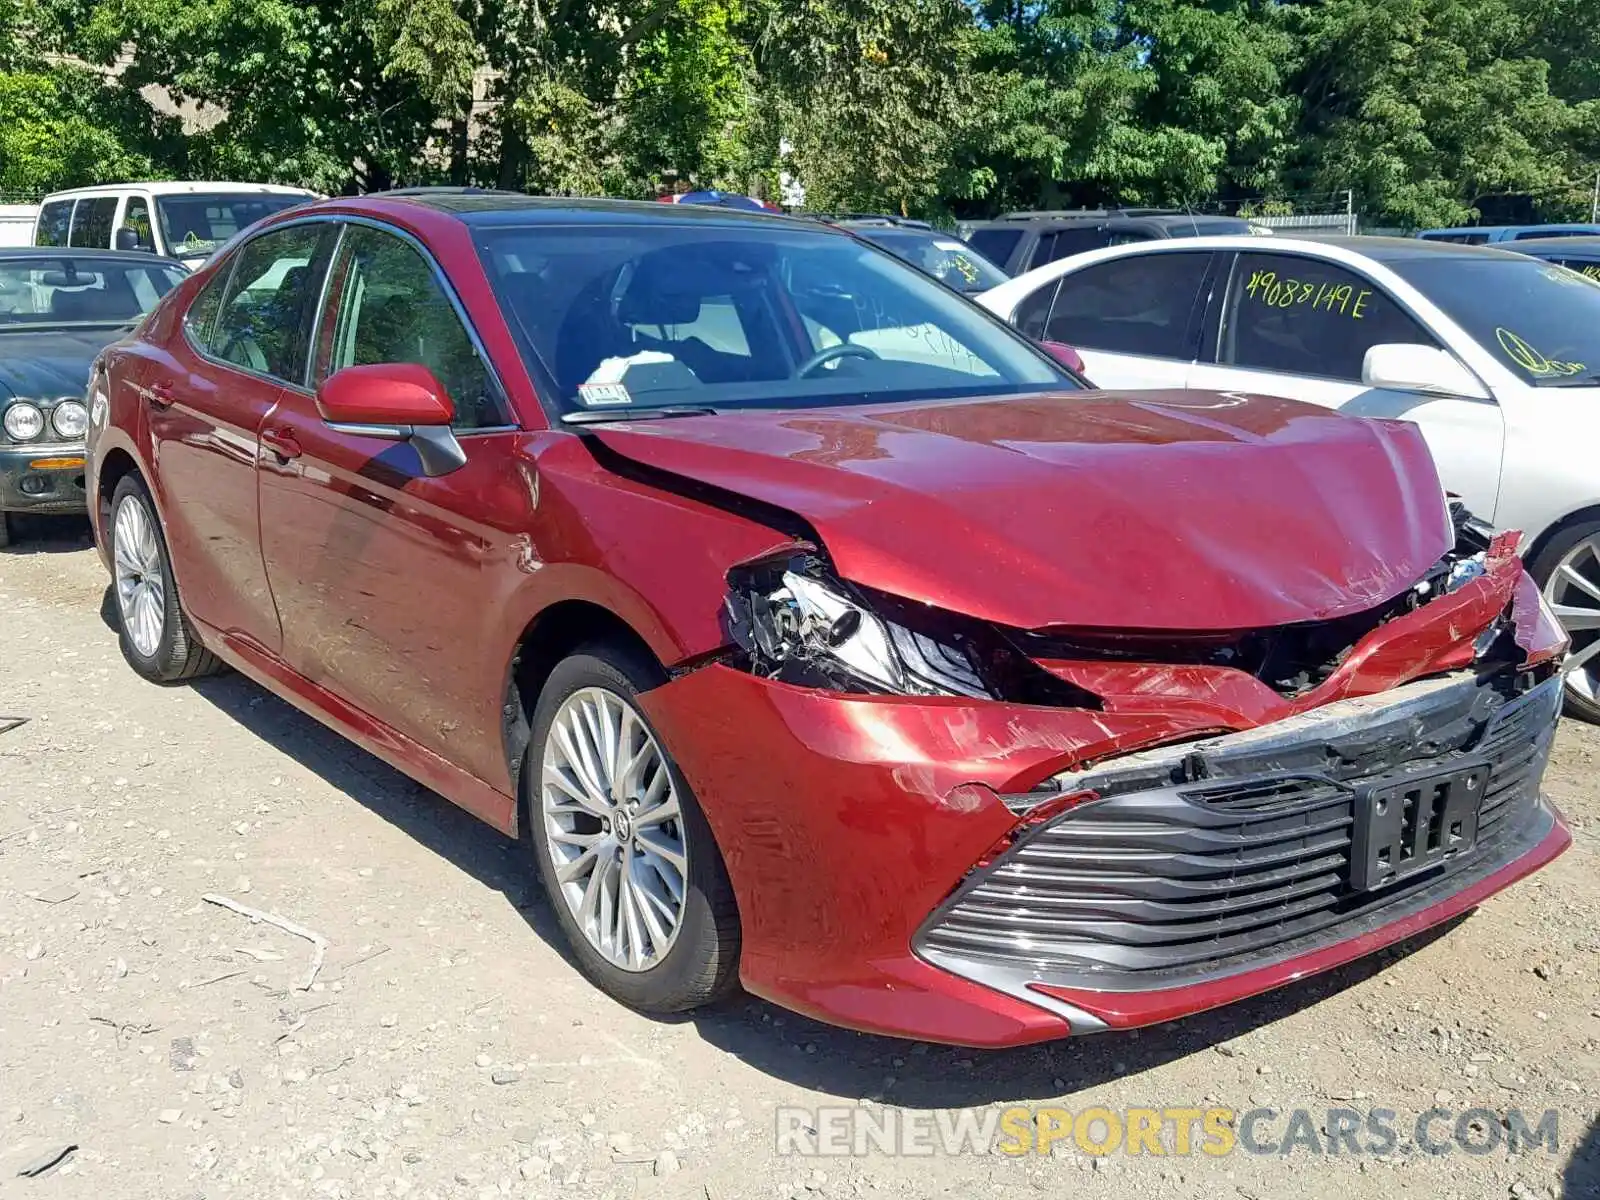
814 629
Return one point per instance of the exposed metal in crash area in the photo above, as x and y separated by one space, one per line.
1241 793
793 619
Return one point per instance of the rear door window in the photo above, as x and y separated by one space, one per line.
1064 243
995 244
55 221
91 224
1305 316
1142 304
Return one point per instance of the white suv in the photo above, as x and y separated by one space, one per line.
186 221
1494 355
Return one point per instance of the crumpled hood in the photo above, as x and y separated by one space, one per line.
1150 510
47 364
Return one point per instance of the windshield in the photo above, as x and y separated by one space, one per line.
952 263
1539 319
59 291
740 316
197 224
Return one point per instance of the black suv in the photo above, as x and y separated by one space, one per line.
1021 241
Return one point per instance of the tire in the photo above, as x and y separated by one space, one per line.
1582 693
173 654
5 530
700 963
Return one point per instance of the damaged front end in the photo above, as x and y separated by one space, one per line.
1169 816
792 618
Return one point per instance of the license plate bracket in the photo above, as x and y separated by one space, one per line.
1408 823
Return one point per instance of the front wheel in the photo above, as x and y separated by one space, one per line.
1568 571
625 855
155 635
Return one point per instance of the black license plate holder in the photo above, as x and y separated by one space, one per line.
1408 823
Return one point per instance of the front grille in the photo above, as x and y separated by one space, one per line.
1203 864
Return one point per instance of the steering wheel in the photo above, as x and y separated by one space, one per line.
828 353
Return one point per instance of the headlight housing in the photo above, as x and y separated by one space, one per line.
24 421
797 623
70 420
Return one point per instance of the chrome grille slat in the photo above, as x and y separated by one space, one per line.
1154 880
1184 865
1063 885
1011 904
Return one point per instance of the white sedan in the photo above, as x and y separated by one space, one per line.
1495 355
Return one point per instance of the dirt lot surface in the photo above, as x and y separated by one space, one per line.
448 1049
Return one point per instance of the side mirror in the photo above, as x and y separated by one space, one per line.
127 238
398 402
1403 367
1064 354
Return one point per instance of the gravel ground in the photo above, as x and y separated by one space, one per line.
449 1049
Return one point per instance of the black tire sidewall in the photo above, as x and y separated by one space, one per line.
1541 568
165 664
678 981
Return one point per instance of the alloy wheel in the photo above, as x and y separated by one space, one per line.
1573 591
614 829
141 586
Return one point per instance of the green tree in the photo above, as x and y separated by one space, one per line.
872 94
1425 106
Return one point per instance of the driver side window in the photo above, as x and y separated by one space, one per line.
265 316
392 309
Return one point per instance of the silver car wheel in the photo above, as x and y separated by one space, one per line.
141 587
614 829
1573 591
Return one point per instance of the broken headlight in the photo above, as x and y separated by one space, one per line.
797 623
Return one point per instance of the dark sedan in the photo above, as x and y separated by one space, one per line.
948 259
1581 254
58 309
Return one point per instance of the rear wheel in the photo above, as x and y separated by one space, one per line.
1568 571
156 638
625 855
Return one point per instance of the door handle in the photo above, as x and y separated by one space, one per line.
160 394
282 442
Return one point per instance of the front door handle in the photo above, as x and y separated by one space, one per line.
282 442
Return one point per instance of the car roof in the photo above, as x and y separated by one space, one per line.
1583 245
479 208
171 187
80 253
1381 249
1157 216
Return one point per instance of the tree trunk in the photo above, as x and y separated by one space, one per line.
513 150
460 144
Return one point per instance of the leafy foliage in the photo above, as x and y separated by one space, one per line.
1429 111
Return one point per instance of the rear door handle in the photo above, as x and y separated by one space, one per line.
160 395
282 442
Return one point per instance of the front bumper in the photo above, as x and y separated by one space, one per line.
54 485
865 838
